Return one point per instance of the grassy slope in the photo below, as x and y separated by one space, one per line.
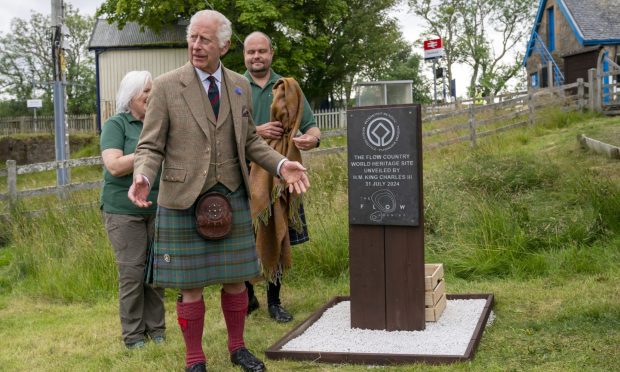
522 217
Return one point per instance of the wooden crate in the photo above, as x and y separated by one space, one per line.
432 297
432 314
433 273
435 292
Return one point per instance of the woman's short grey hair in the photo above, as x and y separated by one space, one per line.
132 84
224 29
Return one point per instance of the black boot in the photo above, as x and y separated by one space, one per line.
252 300
276 311
247 361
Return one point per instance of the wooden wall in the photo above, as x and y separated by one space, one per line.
114 64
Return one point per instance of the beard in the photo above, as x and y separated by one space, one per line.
259 70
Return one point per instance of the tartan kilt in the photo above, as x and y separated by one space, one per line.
298 237
183 259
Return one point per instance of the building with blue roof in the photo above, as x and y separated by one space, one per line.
571 36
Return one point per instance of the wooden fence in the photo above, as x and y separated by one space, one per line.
45 124
441 126
472 119
331 119
13 170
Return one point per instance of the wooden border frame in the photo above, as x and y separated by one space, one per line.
274 352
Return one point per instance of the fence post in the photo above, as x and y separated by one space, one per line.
591 87
598 99
343 118
580 92
22 124
11 167
530 107
472 125
491 98
549 74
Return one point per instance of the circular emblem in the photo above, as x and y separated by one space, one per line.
380 131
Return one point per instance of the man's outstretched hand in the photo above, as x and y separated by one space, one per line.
295 176
139 191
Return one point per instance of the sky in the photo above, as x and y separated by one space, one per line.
22 9
410 26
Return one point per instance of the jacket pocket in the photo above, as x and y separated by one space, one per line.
174 175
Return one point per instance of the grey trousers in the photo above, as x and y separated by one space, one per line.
141 306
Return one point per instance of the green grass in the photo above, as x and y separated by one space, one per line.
336 141
528 216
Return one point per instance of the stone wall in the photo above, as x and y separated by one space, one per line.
36 148
565 40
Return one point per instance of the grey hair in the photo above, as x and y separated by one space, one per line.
258 33
132 84
224 28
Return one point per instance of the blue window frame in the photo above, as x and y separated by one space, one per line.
550 29
606 90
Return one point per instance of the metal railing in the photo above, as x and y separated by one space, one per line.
546 57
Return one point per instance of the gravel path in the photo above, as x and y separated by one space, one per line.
449 336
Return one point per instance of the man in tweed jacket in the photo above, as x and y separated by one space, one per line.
199 128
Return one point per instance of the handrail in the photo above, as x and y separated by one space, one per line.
546 56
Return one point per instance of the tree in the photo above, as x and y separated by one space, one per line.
443 21
468 28
275 18
407 67
26 67
81 96
508 19
362 41
25 61
324 44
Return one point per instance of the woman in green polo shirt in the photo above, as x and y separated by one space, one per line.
130 229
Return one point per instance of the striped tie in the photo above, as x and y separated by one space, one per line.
214 96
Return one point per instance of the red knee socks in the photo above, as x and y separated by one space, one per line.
234 307
191 317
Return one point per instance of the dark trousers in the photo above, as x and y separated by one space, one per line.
141 306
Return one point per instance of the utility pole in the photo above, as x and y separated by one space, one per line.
443 84
59 31
435 81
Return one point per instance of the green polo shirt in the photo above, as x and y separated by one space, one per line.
262 98
122 132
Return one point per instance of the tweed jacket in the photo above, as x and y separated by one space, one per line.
176 136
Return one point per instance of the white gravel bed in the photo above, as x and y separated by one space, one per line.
450 335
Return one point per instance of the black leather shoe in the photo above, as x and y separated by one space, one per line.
246 360
253 304
198 367
279 314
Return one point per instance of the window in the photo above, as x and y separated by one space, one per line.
550 30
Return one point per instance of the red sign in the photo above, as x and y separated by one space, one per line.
432 44
433 49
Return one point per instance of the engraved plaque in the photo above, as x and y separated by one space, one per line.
383 165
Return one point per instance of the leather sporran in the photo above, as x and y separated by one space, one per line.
213 216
